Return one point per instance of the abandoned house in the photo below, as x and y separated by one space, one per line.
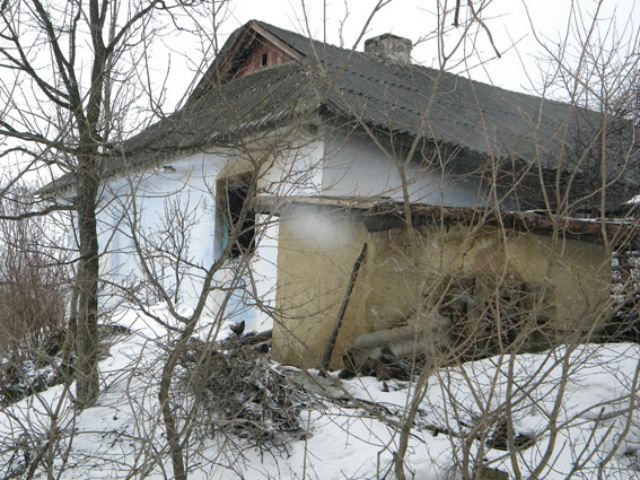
291 155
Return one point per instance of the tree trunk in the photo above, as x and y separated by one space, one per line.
68 369
87 335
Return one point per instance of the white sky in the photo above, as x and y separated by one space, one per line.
507 19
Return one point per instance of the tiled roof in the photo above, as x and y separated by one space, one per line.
454 110
481 120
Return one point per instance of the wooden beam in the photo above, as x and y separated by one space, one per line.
326 359
285 47
385 214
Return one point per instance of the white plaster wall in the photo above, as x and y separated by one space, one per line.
144 203
308 166
153 203
297 170
264 271
354 166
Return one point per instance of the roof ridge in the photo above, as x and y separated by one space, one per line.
282 33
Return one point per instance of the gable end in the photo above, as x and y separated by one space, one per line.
243 54
261 53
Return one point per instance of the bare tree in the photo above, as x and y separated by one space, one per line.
63 109
471 305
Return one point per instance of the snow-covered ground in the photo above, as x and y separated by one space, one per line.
574 409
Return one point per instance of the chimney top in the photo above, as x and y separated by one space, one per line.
389 47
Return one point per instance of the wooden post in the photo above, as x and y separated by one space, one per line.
326 359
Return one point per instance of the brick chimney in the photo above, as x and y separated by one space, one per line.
390 47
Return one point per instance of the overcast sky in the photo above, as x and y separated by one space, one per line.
509 23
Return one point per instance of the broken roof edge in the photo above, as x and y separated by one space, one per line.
384 213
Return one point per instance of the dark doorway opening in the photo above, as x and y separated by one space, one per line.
237 222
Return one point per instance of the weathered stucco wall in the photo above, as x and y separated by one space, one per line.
188 183
317 252
315 258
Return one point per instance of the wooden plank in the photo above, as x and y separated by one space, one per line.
326 359
285 47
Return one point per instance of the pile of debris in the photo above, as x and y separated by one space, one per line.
235 388
33 371
19 379
399 352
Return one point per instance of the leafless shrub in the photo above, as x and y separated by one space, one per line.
33 288
33 284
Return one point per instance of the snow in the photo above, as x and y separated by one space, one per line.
583 393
